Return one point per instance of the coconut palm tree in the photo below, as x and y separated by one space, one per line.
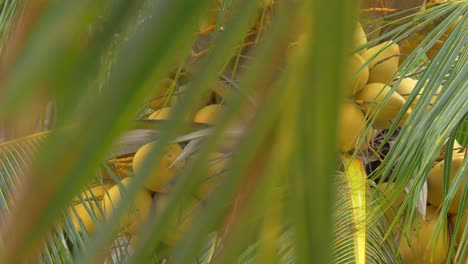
82 88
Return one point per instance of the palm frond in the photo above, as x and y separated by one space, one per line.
9 9
104 58
421 139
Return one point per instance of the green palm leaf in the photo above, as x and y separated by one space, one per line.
97 62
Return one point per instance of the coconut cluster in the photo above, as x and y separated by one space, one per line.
99 202
102 199
163 174
372 76
368 75
416 246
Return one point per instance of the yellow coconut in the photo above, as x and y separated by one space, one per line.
177 96
435 183
181 221
208 114
217 163
80 215
463 222
383 67
406 86
386 189
359 38
356 80
351 127
95 192
161 114
136 211
372 96
419 248
457 148
409 44
162 172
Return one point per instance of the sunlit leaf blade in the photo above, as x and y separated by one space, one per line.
356 178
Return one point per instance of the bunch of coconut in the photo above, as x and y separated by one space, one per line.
164 175
368 74
371 77
162 178
99 202
417 245
87 208
435 194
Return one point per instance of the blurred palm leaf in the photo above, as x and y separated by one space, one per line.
100 70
